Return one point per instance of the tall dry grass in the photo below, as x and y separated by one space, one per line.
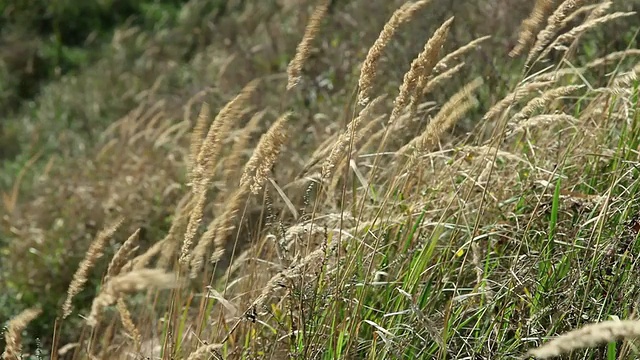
300 271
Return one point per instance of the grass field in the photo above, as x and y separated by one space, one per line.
323 180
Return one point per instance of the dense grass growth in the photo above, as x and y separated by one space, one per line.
332 180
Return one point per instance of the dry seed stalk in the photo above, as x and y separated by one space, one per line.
294 70
437 80
370 64
204 351
421 67
206 161
579 30
532 25
549 32
588 336
219 230
543 119
542 100
13 334
451 111
127 283
611 57
172 239
339 169
212 144
127 322
265 154
122 255
90 258
517 95
234 161
340 147
196 138
315 258
447 59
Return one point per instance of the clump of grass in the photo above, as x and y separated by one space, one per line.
427 269
206 160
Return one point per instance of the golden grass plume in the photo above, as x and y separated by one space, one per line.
554 24
122 255
370 65
206 161
82 274
13 333
421 67
265 154
294 70
532 24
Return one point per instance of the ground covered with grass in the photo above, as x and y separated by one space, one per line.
320 179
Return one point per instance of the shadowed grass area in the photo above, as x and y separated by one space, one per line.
478 204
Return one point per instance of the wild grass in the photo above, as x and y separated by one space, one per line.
484 223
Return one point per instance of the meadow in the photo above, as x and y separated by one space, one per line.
323 179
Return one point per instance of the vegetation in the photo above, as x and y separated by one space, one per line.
283 179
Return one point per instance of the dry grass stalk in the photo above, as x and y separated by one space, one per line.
265 154
122 255
195 217
612 57
127 283
82 274
517 95
421 67
206 161
553 26
204 352
541 101
444 63
141 261
340 147
196 137
573 34
211 146
315 258
441 78
579 12
544 119
166 247
294 70
588 336
370 65
127 322
450 113
219 230
234 161
172 239
626 79
341 166
532 25
13 333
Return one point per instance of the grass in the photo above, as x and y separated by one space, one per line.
330 209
